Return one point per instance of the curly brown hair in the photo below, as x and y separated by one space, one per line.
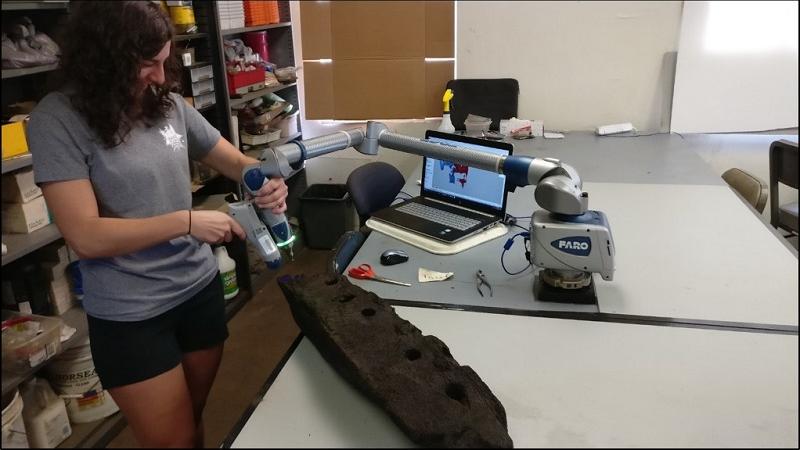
103 46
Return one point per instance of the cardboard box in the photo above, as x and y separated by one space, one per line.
369 85
14 141
395 30
18 187
25 217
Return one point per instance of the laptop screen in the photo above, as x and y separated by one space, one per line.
462 185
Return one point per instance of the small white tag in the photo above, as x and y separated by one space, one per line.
187 59
426 275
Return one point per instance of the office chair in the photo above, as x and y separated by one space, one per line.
495 98
783 169
750 187
374 186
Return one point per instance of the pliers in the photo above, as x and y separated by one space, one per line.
481 282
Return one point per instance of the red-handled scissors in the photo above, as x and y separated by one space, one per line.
365 272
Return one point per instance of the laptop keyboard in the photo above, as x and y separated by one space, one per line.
436 215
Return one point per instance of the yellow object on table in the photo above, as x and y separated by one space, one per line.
14 142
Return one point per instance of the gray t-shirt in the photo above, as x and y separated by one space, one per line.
145 176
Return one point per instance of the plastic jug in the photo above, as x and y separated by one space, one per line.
227 270
44 414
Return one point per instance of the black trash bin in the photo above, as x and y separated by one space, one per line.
326 212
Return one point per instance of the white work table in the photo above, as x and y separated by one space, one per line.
688 250
563 383
694 342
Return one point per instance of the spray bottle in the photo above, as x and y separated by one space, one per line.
447 125
227 271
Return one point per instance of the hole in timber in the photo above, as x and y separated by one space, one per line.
413 354
345 298
368 312
456 392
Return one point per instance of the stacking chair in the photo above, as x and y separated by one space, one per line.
496 98
750 187
374 186
783 169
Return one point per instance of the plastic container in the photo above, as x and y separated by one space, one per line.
45 416
286 74
14 433
477 124
243 82
326 212
227 271
74 270
182 15
288 125
74 378
29 340
257 40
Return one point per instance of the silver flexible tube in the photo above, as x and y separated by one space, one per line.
321 145
472 158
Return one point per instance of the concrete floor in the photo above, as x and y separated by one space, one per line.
260 334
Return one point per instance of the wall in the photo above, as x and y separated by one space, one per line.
579 64
744 56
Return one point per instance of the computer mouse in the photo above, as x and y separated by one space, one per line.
392 257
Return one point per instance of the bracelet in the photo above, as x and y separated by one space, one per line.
190 222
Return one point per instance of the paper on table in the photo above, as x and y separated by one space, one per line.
426 275
548 135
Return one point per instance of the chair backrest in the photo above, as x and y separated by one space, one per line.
495 98
750 187
782 169
374 186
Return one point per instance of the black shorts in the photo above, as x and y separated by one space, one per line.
129 352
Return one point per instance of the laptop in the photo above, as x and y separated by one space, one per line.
455 201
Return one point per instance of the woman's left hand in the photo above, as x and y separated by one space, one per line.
272 196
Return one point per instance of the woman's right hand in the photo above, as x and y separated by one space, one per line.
214 227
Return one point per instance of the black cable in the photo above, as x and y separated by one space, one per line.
508 245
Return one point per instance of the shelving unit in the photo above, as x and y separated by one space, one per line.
208 45
255 28
236 101
12 5
188 37
12 73
74 318
20 245
17 162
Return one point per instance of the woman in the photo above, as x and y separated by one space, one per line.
111 152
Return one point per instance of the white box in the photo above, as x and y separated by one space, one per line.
614 128
537 128
55 269
57 253
61 295
18 187
25 217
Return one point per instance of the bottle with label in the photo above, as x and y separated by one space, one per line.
446 126
44 414
227 271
